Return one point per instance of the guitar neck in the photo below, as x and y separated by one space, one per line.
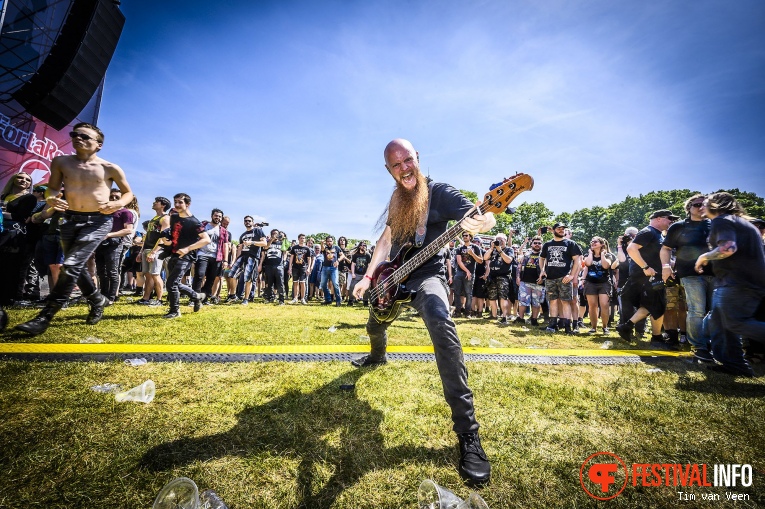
431 249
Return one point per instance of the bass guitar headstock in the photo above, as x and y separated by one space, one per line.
500 195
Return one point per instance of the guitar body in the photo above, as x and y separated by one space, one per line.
387 306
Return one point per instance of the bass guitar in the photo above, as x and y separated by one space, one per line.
388 291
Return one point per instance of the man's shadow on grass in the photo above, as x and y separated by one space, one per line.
713 383
328 426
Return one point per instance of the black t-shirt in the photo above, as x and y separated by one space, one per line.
302 256
595 272
273 254
497 266
559 255
446 203
468 261
624 268
331 255
362 262
184 231
153 232
254 234
345 265
649 238
689 238
745 267
530 268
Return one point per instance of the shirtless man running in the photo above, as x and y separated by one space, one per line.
87 219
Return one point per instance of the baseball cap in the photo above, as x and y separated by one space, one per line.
665 213
560 225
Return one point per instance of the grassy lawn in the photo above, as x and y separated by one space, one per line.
286 435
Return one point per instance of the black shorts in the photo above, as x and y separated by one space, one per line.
299 274
479 288
640 295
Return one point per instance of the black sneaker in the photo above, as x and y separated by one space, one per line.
368 361
625 331
502 320
173 314
96 310
703 355
520 320
143 302
474 467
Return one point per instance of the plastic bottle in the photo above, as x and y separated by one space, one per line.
211 500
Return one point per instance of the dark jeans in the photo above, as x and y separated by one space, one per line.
108 261
274 277
732 316
176 268
432 303
80 236
207 270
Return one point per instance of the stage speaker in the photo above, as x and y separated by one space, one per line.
76 64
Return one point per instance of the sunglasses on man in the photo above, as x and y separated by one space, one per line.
82 136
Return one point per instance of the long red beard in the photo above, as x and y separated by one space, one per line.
407 208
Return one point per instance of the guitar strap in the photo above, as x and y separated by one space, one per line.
422 227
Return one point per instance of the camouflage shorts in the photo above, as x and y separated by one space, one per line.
676 298
498 288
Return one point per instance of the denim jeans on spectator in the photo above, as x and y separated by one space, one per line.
432 303
108 261
462 287
330 274
698 297
176 268
79 240
732 316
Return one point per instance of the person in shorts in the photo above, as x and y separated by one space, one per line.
559 263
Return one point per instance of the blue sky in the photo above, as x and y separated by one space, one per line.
282 109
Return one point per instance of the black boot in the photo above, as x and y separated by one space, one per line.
474 467
40 323
97 303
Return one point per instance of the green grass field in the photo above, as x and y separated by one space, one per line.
285 435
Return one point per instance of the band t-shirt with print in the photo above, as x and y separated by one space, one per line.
184 231
331 255
253 235
467 260
273 254
362 262
559 255
497 265
302 256
211 249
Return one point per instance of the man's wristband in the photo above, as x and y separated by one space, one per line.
645 268
666 266
369 278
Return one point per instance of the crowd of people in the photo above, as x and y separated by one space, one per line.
554 285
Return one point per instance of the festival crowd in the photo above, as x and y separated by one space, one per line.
660 273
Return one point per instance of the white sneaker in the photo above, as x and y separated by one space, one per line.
294 301
303 301
244 302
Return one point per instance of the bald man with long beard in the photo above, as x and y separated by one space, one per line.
416 202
